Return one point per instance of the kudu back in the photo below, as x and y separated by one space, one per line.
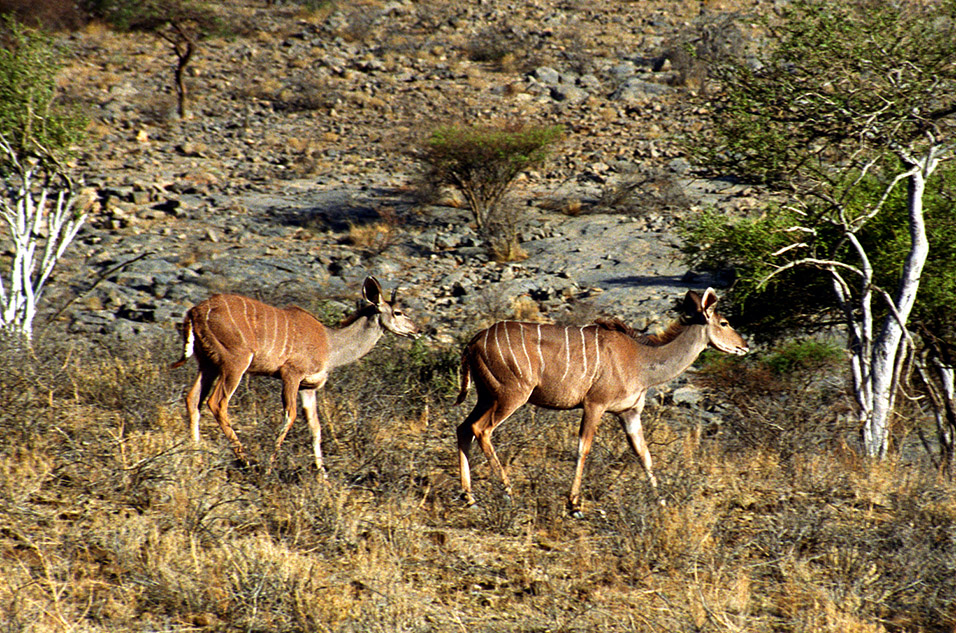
232 335
601 367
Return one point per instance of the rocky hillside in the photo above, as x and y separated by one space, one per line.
291 178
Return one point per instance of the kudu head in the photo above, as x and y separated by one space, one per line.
390 313
701 311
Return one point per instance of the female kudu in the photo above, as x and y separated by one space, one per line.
231 335
601 367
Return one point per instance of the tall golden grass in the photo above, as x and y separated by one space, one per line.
110 520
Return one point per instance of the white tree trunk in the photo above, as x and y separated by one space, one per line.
888 346
40 231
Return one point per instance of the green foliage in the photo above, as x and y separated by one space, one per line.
487 154
801 355
836 78
483 162
801 297
789 301
798 355
147 15
31 120
824 113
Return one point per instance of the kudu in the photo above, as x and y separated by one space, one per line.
231 335
601 367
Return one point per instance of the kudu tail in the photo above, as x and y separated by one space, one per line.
189 340
465 373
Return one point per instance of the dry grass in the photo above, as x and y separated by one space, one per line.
110 521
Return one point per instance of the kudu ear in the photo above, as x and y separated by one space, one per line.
372 291
691 303
708 302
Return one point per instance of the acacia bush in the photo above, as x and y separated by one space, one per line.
482 162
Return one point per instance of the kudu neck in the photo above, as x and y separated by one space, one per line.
356 339
666 362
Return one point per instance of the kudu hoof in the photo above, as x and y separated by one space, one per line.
245 465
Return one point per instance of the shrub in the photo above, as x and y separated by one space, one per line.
46 14
790 397
482 162
31 120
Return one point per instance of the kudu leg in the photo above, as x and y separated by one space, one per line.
219 405
290 387
589 424
481 423
195 397
631 420
465 439
311 410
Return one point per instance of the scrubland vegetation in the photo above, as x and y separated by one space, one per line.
111 520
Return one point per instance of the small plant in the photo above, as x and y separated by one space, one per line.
646 192
376 237
483 162
802 355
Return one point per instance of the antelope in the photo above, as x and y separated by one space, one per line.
605 366
232 335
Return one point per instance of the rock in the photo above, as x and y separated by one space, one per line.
546 75
687 395
636 89
244 197
570 94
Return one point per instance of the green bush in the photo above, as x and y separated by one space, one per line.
482 162
31 120
801 355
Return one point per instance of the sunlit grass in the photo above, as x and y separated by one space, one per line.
111 520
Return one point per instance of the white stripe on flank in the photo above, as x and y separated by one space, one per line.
567 354
235 325
275 330
498 343
525 348
584 353
512 351
257 343
597 350
270 337
540 354
285 337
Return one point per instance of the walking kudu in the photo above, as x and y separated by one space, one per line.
601 367
231 335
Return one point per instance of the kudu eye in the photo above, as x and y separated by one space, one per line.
724 323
